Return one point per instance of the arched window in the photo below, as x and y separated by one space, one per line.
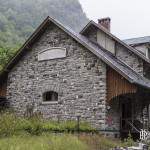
52 53
50 96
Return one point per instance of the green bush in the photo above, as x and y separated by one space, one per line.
129 141
67 126
85 127
51 126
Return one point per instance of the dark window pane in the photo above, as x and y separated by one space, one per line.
50 96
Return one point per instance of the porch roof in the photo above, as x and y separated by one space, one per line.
137 41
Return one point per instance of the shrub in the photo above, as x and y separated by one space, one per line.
49 126
85 127
129 141
67 126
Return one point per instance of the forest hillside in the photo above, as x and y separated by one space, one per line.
19 18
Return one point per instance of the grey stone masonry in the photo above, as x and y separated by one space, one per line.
121 53
129 58
79 79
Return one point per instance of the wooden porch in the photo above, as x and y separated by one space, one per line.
133 103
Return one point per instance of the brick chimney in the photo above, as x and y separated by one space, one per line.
105 22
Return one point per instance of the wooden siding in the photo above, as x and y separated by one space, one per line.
3 88
117 85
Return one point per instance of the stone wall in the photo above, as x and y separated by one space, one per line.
113 115
79 79
120 51
129 58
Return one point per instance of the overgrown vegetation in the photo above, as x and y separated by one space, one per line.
19 133
100 142
63 141
13 125
6 53
43 142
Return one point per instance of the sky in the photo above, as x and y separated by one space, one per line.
129 18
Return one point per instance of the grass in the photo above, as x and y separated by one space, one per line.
43 142
59 141
36 133
99 142
10 125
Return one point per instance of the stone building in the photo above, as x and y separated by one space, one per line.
63 74
142 44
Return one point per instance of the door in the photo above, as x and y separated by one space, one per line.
128 122
126 116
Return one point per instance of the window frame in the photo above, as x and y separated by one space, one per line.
46 54
54 97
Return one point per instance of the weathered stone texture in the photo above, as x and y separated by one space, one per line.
121 52
79 79
129 58
113 115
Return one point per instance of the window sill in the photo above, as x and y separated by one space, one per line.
49 103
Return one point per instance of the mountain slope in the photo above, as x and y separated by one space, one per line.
19 18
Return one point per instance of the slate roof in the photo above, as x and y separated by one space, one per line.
112 61
135 51
101 53
137 41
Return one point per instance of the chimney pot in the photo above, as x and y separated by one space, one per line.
105 22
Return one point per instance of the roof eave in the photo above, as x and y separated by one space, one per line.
142 85
87 25
138 44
